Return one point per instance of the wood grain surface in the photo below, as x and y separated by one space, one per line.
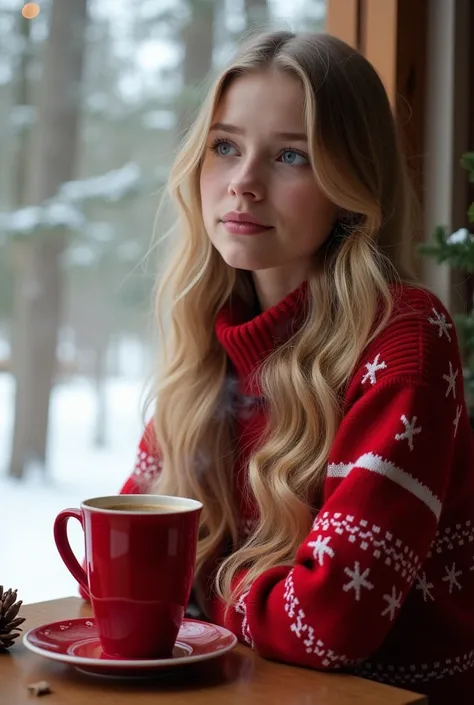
237 678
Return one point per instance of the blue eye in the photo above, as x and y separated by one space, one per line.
222 148
290 156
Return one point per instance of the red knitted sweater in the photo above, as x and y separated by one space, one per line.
383 584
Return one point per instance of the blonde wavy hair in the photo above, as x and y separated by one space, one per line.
358 163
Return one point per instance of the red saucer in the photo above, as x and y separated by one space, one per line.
76 642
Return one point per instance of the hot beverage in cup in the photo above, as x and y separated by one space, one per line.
141 508
140 555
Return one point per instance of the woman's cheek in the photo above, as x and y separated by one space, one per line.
300 197
211 180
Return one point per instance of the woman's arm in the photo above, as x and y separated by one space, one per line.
147 465
387 478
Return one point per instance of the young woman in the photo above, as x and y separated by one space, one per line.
310 394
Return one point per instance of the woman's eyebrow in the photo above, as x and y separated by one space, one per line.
233 129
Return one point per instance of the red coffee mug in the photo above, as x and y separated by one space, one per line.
140 556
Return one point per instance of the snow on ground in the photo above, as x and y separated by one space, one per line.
29 559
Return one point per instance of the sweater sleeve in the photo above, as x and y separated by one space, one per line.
387 477
147 465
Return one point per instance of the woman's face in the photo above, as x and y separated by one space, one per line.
257 169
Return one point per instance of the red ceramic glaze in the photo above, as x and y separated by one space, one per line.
139 570
77 642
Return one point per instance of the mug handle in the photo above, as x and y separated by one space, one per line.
64 547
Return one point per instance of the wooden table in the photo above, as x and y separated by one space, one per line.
237 678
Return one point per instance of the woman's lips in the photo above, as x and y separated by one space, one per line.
243 228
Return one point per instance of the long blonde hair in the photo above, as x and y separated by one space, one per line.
358 163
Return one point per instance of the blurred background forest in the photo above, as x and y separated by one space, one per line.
94 98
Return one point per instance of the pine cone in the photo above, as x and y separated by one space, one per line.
9 622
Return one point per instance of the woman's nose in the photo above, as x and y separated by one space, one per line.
247 181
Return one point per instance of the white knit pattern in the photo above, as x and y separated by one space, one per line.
411 430
303 630
442 324
377 464
146 470
457 418
452 537
241 608
417 673
451 378
372 369
371 539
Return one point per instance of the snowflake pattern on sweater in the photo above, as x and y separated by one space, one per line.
392 547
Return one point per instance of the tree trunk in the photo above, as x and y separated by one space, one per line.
99 330
257 14
100 378
198 40
22 260
57 133
19 168
20 252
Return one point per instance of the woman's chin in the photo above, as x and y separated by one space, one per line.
248 261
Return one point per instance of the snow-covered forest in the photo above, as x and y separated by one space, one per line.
94 95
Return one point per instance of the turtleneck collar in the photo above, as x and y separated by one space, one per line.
249 339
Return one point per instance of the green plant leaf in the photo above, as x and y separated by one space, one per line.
470 213
467 162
